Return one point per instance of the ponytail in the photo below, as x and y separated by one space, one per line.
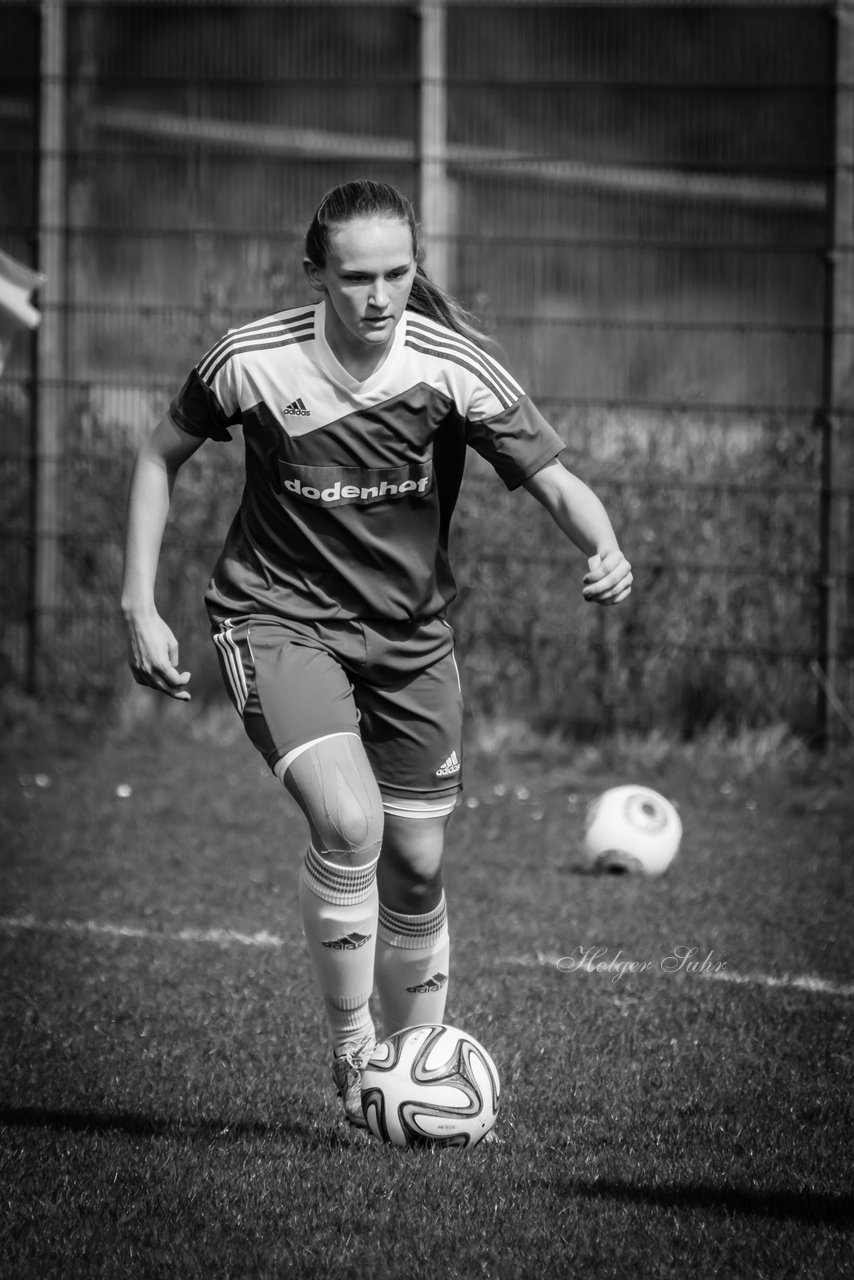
428 299
367 199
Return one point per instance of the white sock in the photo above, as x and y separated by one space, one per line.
338 906
411 967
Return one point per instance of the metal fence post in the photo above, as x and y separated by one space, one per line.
435 197
837 414
50 354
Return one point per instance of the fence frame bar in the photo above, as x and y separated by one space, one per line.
50 341
435 195
836 416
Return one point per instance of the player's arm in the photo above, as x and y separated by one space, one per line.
578 512
152 648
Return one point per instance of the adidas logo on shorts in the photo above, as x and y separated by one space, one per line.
450 767
350 942
432 984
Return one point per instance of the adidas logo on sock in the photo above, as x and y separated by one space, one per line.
432 984
450 767
350 942
297 409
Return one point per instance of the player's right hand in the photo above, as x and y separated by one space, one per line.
153 657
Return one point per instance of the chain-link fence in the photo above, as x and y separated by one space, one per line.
648 206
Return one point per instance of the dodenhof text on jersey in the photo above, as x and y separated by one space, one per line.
338 486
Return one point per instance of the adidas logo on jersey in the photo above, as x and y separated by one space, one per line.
450 767
350 942
432 984
296 409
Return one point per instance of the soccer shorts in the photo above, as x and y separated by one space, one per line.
396 685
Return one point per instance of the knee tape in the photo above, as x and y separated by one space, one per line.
340 800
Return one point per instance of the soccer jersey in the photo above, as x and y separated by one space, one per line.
350 485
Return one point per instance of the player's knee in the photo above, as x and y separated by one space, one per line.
416 842
410 888
351 833
334 787
410 870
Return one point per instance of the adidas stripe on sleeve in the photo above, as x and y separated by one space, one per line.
262 335
433 339
502 423
209 402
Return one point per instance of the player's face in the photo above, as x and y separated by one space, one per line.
367 279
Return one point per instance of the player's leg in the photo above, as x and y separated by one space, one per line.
410 870
334 787
297 707
412 964
412 730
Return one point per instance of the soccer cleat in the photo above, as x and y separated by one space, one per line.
347 1074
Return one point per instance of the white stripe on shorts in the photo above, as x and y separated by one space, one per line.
233 667
453 654
287 760
419 808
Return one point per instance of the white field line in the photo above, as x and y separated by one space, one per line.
219 937
272 941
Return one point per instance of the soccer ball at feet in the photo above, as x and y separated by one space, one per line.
430 1084
632 830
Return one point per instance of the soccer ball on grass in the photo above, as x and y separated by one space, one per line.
632 830
430 1084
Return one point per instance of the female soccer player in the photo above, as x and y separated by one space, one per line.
327 601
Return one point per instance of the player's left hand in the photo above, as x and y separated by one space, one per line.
608 579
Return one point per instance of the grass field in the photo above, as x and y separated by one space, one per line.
166 1103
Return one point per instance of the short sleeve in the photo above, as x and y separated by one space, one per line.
517 442
198 407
